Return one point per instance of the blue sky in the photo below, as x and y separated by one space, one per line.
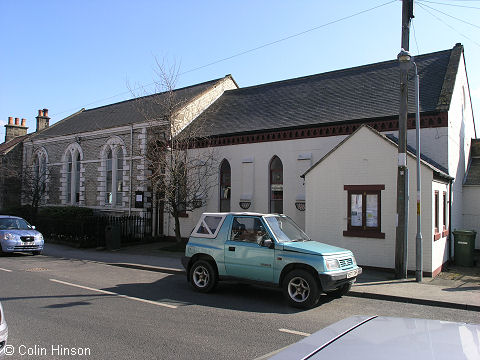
66 55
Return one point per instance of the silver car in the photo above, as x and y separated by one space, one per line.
16 234
376 337
3 331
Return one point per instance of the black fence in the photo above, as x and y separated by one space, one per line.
96 231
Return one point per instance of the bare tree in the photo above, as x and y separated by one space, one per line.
181 172
23 183
34 180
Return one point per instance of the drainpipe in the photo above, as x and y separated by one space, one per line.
450 192
131 165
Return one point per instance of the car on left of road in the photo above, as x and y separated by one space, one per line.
3 331
16 234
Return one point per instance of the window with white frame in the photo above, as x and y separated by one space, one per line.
73 163
114 168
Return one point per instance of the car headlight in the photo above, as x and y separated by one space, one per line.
39 237
332 264
7 236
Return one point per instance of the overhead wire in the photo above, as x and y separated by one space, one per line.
446 24
455 5
415 38
239 54
453 17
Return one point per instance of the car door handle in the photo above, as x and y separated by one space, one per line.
231 248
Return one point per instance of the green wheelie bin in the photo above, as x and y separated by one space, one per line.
464 245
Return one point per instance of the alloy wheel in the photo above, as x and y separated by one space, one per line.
298 289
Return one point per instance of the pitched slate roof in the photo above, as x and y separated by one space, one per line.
473 171
121 113
365 92
9 145
423 157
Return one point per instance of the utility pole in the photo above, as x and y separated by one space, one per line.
402 172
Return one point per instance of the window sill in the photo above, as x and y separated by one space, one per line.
364 234
438 236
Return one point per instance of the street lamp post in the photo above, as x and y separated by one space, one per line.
406 62
401 242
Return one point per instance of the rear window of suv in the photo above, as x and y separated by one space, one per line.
209 226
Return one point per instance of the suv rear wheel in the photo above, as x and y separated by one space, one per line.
203 276
300 289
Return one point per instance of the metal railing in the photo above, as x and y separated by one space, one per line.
91 231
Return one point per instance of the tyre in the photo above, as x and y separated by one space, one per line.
340 291
203 276
301 289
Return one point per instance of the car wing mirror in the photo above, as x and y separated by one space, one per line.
268 243
33 227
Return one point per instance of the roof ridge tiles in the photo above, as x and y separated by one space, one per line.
158 93
374 66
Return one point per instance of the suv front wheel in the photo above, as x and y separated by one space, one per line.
203 276
300 289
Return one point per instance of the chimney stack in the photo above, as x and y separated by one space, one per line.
43 120
12 130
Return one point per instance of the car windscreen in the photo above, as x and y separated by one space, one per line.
285 229
14 224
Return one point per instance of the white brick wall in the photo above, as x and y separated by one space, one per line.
375 164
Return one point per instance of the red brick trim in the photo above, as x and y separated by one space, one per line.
364 187
384 124
437 235
444 233
439 269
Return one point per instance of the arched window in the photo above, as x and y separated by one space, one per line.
225 186
109 167
72 165
119 178
276 185
77 178
69 178
39 174
114 175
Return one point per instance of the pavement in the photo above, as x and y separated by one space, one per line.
457 287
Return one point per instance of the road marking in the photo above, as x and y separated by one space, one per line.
294 332
5 270
119 295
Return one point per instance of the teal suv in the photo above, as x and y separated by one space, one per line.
266 249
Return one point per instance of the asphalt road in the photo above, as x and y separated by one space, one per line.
56 305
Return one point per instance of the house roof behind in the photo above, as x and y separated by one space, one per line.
122 113
365 92
473 172
9 145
